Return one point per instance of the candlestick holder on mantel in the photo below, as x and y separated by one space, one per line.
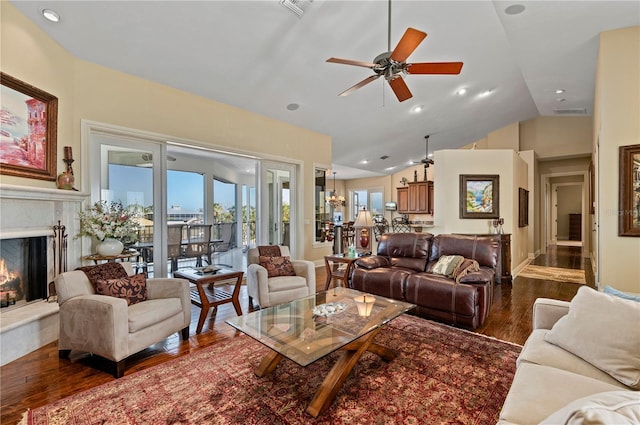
66 179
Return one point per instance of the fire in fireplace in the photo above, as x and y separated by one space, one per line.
23 270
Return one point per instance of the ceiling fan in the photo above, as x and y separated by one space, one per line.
427 161
393 62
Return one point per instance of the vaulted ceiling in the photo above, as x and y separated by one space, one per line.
259 56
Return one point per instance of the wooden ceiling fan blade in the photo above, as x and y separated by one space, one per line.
408 43
400 89
360 84
434 68
351 62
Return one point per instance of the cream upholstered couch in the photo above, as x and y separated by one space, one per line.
269 291
553 385
108 327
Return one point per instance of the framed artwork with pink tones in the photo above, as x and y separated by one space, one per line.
28 130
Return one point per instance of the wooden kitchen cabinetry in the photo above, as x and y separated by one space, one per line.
416 198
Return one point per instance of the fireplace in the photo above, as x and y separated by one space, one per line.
23 271
32 212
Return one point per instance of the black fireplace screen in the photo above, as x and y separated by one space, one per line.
23 270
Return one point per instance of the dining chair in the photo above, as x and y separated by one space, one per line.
175 249
348 235
199 243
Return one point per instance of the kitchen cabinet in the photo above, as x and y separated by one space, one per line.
403 200
416 198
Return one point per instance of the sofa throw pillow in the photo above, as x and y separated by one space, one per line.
277 266
132 288
626 295
467 266
269 250
447 265
602 330
103 271
611 407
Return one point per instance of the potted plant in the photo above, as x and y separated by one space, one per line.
110 223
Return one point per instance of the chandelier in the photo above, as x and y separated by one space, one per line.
334 200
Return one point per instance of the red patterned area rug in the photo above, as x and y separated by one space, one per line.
441 375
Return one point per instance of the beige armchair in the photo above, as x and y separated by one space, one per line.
106 326
280 289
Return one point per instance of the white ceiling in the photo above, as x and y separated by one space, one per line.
258 56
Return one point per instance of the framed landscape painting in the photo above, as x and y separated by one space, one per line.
479 196
28 130
629 195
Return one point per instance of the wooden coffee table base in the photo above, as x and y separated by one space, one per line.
338 374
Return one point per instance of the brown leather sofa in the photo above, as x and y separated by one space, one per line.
402 268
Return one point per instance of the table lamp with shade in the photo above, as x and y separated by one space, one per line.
364 224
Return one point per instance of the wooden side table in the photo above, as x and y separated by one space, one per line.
211 297
126 255
336 268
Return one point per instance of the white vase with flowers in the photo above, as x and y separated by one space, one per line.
110 223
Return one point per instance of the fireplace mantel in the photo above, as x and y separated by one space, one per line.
27 212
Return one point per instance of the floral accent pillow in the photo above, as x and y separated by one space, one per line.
447 265
269 250
104 271
277 266
132 288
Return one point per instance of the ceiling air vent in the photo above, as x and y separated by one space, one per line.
296 6
570 111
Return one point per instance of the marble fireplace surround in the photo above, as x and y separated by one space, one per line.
26 212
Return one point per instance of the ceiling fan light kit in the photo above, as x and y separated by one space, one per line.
392 64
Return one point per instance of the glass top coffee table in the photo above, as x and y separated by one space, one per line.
307 329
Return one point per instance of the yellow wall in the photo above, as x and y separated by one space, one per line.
28 54
504 138
555 137
92 92
616 123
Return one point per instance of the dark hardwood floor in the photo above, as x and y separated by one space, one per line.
40 377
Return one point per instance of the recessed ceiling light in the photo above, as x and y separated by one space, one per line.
364 161
485 93
461 92
416 109
559 91
293 106
390 168
514 9
561 99
51 15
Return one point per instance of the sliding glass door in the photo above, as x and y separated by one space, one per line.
131 172
277 207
